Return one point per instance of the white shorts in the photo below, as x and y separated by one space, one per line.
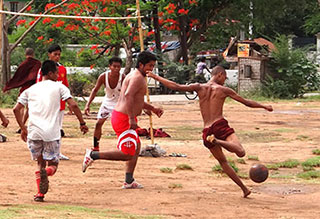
104 112
50 150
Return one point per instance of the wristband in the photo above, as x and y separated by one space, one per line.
84 123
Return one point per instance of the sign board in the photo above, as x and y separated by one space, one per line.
243 50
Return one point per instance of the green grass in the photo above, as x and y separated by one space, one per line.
183 167
259 136
302 138
253 157
312 162
309 175
241 160
63 211
274 166
218 168
290 163
175 186
285 130
316 151
166 170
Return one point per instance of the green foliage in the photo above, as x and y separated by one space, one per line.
79 84
177 72
293 74
290 163
9 99
272 166
313 174
183 167
253 157
316 151
218 168
312 162
241 160
166 170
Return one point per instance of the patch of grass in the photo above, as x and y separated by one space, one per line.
302 138
253 157
274 166
316 151
218 168
184 132
307 168
175 186
259 136
312 162
243 175
166 170
290 163
309 175
281 176
241 160
285 130
64 211
183 166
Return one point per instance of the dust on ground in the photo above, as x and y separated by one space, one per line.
291 132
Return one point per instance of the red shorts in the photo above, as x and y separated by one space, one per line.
127 138
220 129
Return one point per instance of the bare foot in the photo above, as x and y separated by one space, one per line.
211 139
246 193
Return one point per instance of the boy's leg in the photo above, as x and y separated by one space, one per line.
130 167
97 134
232 144
218 154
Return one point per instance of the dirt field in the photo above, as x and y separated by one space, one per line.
291 132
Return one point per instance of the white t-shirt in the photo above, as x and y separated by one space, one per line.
43 101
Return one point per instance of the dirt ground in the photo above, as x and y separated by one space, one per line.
290 132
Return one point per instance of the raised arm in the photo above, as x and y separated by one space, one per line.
173 85
93 93
249 103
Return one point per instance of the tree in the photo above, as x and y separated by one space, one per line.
7 48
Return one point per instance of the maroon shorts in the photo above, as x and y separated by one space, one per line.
220 129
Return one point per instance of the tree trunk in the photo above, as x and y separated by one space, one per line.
183 34
129 60
6 72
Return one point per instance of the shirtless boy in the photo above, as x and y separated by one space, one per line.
124 122
212 96
112 82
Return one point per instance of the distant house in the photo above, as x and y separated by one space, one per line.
14 5
251 58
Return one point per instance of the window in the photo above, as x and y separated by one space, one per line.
14 6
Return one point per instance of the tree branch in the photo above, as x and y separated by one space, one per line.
33 25
16 16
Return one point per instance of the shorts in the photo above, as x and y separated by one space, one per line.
49 150
220 129
128 139
104 112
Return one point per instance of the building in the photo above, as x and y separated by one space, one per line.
14 5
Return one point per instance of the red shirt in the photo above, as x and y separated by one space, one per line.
61 77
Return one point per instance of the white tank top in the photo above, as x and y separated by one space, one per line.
111 95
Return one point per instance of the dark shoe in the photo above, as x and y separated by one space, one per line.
62 133
44 182
38 198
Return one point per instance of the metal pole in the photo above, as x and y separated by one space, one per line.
142 49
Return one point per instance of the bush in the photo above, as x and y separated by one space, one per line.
79 84
293 74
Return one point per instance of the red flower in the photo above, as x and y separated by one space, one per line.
183 11
73 6
60 23
40 38
107 32
20 22
46 20
193 2
150 32
48 6
95 28
31 22
29 8
92 66
94 47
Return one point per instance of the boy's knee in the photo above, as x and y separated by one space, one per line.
241 153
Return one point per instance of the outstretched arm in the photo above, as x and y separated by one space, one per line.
93 93
173 85
249 103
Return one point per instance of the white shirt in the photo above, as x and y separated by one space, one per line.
43 101
111 95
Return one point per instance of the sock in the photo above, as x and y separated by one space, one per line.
94 155
95 142
51 170
38 183
129 178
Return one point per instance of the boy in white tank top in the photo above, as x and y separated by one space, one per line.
112 81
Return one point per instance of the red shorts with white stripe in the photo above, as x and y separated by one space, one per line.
128 139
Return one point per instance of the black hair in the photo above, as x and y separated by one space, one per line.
145 57
115 59
54 47
48 66
29 52
202 59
